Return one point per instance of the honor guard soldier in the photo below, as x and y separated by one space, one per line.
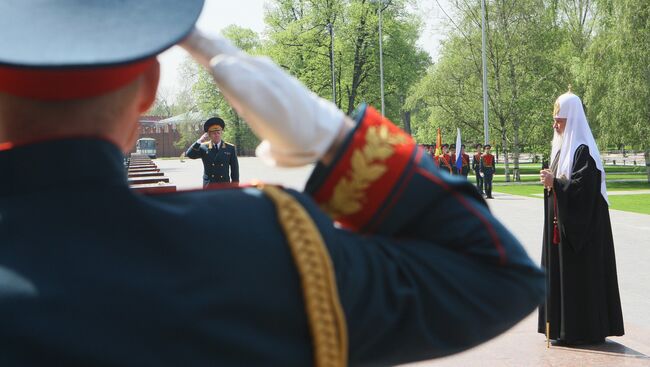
487 169
444 160
359 269
219 158
476 166
452 159
464 169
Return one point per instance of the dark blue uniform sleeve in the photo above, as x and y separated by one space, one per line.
413 286
195 151
234 165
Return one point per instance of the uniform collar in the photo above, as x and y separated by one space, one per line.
60 163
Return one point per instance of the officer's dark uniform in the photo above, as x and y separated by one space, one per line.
95 274
111 277
220 164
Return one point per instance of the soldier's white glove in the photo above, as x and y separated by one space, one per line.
296 126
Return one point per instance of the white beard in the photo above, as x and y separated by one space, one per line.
556 144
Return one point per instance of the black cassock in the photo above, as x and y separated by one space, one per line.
583 299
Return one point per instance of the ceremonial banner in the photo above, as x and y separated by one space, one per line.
438 151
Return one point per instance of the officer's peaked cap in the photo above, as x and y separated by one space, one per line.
213 121
44 39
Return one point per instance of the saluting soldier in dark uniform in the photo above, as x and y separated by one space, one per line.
476 166
220 163
488 169
359 269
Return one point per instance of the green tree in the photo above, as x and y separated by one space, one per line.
524 72
617 74
300 42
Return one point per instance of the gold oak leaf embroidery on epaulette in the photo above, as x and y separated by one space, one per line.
367 166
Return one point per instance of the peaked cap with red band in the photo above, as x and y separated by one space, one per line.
67 49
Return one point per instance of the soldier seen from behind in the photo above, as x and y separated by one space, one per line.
361 268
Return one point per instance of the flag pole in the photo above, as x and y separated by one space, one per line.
548 275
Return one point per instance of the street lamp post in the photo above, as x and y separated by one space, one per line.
330 27
485 86
381 59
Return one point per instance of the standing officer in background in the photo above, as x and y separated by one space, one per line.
476 166
487 170
220 163
357 270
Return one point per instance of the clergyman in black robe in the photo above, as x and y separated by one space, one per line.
583 304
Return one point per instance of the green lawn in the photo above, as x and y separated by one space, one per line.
631 203
535 177
531 168
638 203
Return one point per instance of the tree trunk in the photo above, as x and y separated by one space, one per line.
406 117
515 119
359 63
646 155
515 171
504 145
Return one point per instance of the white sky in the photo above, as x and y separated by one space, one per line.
217 14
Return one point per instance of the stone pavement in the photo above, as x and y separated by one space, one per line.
522 345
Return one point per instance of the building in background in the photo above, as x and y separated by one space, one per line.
167 131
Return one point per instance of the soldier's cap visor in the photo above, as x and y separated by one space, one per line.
64 49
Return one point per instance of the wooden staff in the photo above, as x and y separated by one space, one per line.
548 273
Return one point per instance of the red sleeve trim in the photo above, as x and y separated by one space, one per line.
367 171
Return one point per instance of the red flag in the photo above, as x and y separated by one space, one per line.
438 151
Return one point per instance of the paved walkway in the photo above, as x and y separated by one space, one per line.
522 345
